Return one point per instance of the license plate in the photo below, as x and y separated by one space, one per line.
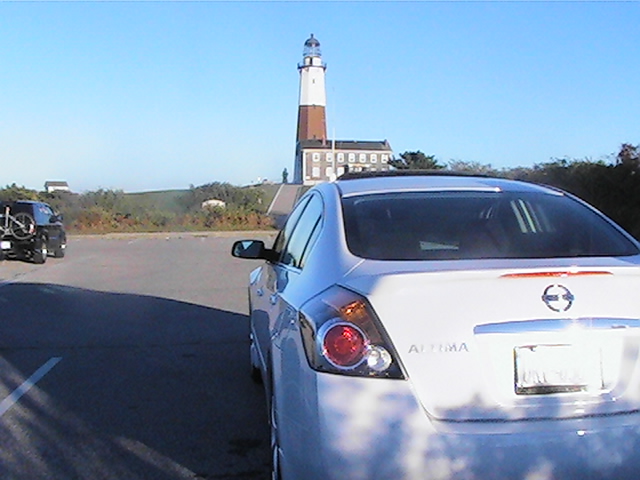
5 245
544 369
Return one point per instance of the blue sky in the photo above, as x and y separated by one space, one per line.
159 95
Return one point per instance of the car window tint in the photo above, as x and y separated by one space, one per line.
20 208
283 237
303 233
312 239
42 213
467 225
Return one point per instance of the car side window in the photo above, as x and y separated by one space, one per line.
312 239
283 237
303 233
41 213
46 213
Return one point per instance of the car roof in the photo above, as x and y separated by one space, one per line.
402 181
24 203
29 202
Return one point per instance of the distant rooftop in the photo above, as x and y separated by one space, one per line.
56 185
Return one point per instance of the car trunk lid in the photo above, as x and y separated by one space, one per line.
514 343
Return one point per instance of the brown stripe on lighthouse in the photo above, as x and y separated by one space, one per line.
312 123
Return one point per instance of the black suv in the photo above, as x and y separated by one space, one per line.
31 230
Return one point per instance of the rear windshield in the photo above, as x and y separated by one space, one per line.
468 225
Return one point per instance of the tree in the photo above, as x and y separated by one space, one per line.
107 199
629 157
416 161
475 168
14 192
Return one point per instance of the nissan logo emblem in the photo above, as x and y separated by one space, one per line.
558 298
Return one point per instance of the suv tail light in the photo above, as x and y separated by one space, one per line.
342 334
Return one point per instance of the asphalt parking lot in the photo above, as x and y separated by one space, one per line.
128 359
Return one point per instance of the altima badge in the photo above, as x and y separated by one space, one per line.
558 298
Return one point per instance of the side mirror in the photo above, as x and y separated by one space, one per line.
253 249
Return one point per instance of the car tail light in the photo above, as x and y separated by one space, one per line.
342 334
344 345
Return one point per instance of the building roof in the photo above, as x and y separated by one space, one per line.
382 145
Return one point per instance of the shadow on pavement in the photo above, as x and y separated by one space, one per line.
146 388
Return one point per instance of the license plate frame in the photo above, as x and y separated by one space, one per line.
556 368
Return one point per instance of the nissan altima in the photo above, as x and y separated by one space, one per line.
447 327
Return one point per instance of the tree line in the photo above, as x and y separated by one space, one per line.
612 185
107 210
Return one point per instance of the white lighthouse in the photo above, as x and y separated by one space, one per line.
312 123
319 159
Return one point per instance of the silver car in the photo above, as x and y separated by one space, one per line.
447 327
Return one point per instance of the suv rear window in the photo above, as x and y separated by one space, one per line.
469 225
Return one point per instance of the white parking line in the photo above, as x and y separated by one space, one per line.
13 398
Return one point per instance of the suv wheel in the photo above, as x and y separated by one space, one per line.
40 251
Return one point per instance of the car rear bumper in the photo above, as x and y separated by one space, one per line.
361 428
10 247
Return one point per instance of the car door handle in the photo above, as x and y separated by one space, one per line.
260 292
273 299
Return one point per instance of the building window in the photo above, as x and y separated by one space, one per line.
384 158
362 157
374 158
329 157
329 172
315 172
316 157
352 158
340 171
341 158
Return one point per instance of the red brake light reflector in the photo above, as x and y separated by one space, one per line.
344 345
563 274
